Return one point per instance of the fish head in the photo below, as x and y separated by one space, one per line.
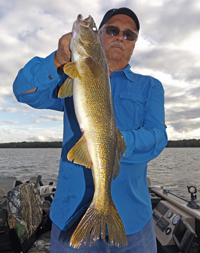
84 34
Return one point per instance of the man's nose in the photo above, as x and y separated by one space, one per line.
120 36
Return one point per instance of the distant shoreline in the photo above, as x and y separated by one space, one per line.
34 144
192 143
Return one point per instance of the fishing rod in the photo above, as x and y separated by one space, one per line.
169 192
192 190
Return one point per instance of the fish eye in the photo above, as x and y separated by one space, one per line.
94 28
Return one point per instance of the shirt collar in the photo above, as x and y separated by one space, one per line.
127 72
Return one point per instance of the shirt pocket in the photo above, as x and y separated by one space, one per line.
129 110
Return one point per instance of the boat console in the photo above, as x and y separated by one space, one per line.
166 216
176 221
185 237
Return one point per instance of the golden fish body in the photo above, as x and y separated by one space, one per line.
101 144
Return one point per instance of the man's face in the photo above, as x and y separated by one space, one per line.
124 50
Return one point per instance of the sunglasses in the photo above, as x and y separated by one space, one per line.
127 34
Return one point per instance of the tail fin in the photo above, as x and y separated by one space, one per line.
94 223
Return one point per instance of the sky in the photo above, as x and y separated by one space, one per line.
168 49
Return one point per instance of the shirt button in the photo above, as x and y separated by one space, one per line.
50 77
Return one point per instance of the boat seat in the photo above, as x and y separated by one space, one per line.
42 244
24 212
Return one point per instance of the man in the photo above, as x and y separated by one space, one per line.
139 111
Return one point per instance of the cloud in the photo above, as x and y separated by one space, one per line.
45 138
37 121
167 48
185 126
52 117
170 23
169 60
9 122
11 109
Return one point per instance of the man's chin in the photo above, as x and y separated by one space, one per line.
115 56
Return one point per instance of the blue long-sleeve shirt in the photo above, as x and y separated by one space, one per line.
139 111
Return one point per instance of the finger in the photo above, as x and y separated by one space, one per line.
63 54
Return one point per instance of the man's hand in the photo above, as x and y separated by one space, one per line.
63 54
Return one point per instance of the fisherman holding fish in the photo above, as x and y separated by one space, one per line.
113 125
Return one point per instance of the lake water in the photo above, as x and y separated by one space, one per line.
174 168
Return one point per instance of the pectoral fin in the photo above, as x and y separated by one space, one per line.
66 90
120 151
79 154
94 67
71 70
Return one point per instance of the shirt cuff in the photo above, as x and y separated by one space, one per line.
48 72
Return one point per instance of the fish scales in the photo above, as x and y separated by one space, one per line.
101 145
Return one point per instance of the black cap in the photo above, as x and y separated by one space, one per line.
124 11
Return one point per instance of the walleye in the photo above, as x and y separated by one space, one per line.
101 145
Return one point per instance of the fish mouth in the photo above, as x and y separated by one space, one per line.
81 22
84 22
78 29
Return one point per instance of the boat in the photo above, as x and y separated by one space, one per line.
32 233
176 220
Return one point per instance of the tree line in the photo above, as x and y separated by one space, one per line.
193 143
35 144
